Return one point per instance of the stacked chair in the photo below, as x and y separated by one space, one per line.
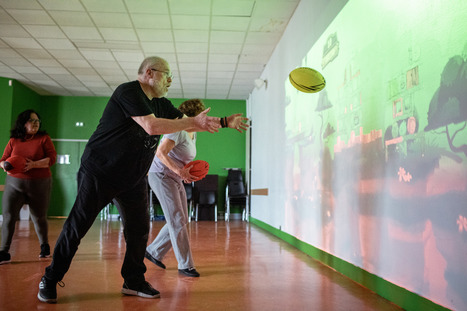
205 194
235 193
189 198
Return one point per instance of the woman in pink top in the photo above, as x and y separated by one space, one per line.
28 180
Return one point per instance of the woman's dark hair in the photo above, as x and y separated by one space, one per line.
19 131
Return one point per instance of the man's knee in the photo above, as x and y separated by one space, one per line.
135 230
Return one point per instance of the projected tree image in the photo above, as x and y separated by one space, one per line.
449 103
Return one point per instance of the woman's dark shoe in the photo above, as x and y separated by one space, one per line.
154 260
45 251
4 257
189 272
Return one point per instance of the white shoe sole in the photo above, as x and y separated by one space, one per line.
46 300
128 291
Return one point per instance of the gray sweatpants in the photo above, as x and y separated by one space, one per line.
19 191
174 234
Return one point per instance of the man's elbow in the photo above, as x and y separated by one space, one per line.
151 129
147 124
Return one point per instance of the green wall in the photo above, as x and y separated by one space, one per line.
61 113
6 100
23 98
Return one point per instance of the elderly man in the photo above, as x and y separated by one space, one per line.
114 165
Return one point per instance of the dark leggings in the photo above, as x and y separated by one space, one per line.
20 191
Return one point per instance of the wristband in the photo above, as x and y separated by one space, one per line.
224 122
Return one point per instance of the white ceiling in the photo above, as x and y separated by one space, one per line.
216 48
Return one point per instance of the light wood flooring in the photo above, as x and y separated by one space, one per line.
242 268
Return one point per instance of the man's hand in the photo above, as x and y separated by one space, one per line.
203 122
236 121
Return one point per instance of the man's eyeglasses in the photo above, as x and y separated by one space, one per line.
167 74
34 120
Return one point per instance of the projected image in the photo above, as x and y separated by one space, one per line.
377 161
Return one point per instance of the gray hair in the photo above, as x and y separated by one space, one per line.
149 62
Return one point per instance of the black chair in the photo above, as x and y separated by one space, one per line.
189 198
234 174
205 192
235 193
207 199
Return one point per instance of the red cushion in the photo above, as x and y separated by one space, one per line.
200 168
14 164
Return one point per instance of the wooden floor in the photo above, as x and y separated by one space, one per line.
242 268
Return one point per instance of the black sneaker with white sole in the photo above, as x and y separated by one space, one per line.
48 290
144 290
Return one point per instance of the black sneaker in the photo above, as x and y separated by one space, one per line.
144 290
189 272
5 257
154 260
48 290
45 251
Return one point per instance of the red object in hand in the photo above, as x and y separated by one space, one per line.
200 168
14 164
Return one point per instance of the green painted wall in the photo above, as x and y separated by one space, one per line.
6 101
61 114
23 98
